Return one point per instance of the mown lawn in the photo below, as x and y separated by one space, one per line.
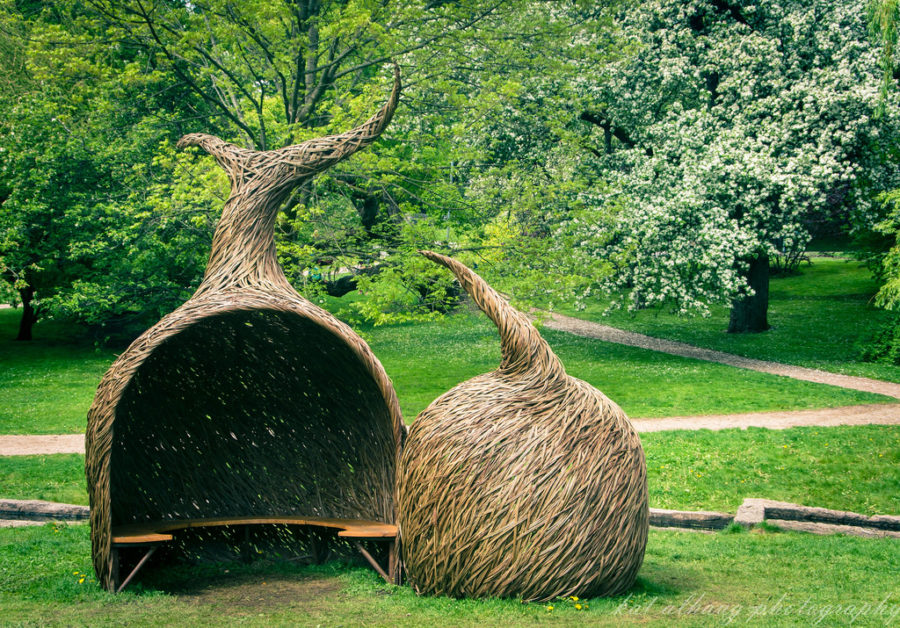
846 468
819 318
426 360
56 478
853 468
688 579
47 385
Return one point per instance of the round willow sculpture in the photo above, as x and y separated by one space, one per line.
248 400
524 482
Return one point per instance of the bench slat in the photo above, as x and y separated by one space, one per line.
152 532
137 538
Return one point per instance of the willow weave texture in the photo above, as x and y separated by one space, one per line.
248 399
524 482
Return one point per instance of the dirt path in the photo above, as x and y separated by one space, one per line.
41 444
874 414
590 329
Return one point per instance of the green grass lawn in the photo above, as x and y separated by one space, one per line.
57 478
853 468
426 360
47 384
817 319
760 578
688 579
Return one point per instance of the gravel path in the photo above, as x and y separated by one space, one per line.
589 329
873 414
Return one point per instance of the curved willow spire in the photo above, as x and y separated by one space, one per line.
243 251
300 161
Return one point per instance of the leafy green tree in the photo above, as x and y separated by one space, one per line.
77 138
526 167
276 73
478 155
883 18
281 72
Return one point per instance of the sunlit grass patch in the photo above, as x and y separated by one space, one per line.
854 468
425 360
46 384
56 478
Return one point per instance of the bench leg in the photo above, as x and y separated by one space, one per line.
394 562
319 546
113 583
373 562
137 568
246 553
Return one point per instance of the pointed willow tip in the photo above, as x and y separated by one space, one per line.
522 346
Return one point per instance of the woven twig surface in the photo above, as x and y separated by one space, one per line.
248 399
523 482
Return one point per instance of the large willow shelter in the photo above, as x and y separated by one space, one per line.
248 404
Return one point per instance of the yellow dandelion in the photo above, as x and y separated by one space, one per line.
550 607
578 607
574 598
81 580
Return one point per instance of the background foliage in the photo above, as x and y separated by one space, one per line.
649 153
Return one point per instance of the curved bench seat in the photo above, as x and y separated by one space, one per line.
153 533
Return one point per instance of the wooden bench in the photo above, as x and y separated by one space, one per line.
153 534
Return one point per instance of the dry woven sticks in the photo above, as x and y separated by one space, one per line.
248 399
523 482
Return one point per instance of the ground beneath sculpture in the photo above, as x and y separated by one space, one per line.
240 594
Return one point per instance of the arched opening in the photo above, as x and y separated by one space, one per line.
252 412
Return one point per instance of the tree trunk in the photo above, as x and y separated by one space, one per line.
29 316
368 212
748 313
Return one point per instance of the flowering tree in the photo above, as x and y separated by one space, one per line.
727 132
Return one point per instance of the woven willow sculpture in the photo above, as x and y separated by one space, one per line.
248 400
523 482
